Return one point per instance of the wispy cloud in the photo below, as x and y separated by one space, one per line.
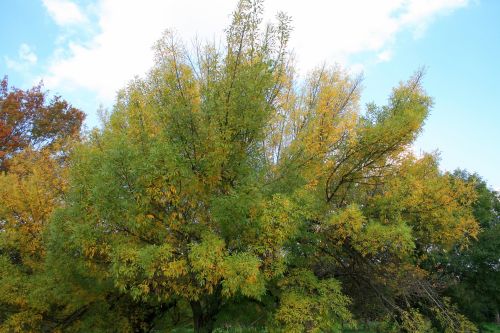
336 30
327 30
64 12
384 56
25 60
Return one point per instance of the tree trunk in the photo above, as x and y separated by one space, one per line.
497 317
202 322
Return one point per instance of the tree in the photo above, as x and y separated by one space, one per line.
27 119
475 272
219 181
35 138
39 292
385 240
29 192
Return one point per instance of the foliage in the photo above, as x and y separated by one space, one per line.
475 283
35 139
223 192
27 119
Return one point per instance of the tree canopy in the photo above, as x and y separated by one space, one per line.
27 119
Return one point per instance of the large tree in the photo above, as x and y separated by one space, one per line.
221 181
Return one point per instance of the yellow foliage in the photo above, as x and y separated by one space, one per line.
29 194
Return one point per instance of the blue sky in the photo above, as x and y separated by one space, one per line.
86 50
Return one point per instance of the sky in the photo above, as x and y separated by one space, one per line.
86 50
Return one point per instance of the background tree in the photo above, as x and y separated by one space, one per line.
35 138
27 119
475 273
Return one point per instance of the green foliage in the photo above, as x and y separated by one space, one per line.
310 304
224 193
475 286
242 274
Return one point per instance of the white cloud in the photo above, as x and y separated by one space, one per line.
27 55
334 30
123 47
64 12
421 12
26 59
324 30
384 56
356 69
